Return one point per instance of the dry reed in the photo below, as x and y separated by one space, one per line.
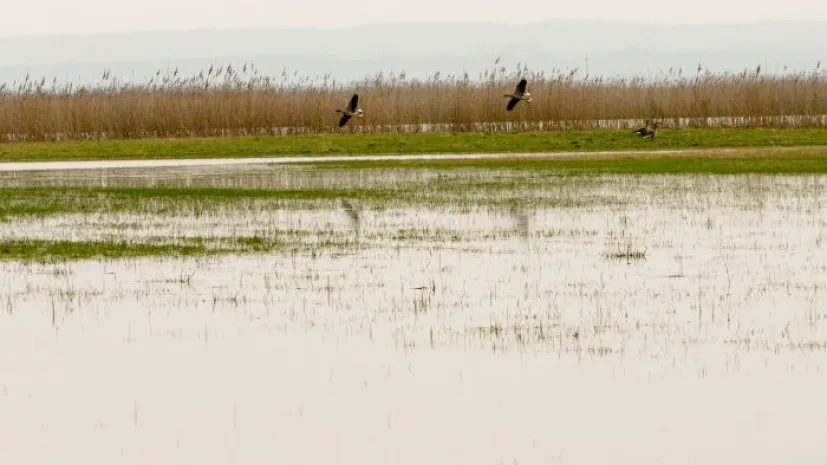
225 101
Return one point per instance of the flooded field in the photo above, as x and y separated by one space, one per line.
456 317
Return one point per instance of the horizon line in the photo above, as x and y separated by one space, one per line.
273 28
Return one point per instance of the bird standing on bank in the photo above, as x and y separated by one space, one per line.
350 111
519 94
648 131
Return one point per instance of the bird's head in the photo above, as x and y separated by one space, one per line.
360 113
527 96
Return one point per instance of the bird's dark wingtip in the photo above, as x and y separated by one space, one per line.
522 85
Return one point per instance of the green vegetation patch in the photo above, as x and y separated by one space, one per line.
49 251
443 190
158 200
52 251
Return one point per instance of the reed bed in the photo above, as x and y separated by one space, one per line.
224 101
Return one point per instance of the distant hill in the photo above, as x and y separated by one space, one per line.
420 49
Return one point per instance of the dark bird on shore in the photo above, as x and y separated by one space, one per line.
519 94
648 131
350 111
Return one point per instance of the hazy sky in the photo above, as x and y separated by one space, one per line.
88 16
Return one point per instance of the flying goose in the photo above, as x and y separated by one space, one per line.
519 94
350 111
648 131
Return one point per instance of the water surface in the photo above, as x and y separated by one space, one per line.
665 319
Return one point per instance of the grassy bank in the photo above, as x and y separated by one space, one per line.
744 161
367 144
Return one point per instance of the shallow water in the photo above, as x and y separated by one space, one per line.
454 334
161 163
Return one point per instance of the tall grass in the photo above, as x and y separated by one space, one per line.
224 101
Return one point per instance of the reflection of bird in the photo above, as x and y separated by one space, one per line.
521 220
350 111
648 131
519 94
352 213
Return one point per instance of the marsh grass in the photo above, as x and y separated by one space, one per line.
171 221
49 251
119 248
165 200
225 101
456 210
455 191
627 254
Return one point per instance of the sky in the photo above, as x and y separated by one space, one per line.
25 17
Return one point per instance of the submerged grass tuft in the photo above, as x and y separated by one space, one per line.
627 255
49 251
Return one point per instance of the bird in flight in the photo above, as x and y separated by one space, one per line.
519 94
350 111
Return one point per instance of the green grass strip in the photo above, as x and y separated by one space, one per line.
371 144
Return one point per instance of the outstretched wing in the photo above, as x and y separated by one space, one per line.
353 102
344 120
521 86
512 103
